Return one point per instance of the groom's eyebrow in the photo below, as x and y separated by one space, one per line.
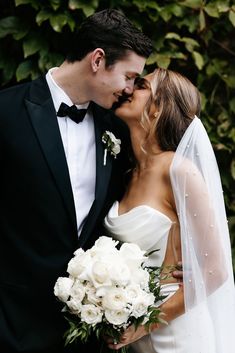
133 74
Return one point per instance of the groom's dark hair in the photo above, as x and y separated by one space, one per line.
113 32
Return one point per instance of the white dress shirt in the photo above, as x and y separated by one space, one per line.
80 151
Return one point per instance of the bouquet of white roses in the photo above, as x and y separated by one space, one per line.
108 289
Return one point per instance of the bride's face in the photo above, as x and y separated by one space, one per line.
133 108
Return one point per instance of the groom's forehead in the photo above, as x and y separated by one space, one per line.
132 64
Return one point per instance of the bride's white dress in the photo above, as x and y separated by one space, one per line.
192 332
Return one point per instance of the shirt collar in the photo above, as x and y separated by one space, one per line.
58 94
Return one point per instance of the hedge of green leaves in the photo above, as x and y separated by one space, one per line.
195 37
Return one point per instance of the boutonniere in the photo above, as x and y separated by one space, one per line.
112 145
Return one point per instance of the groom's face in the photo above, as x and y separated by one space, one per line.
112 82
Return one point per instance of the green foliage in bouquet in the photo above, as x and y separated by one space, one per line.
107 290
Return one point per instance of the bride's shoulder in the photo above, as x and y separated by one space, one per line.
165 159
163 163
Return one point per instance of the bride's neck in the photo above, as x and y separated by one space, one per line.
143 150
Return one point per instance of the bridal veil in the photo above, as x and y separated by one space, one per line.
205 241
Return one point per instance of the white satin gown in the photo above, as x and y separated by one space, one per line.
191 332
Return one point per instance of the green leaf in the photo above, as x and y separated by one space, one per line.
58 22
198 59
231 17
223 6
232 104
202 20
190 43
229 79
223 128
203 100
8 66
193 4
55 4
33 43
33 3
145 5
25 69
88 9
165 14
11 25
42 16
191 22
163 60
172 35
211 10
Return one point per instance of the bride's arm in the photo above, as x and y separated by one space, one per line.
171 309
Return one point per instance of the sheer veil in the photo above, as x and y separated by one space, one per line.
205 241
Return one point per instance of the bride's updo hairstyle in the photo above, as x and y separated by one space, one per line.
177 101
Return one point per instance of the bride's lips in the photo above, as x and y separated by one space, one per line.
121 100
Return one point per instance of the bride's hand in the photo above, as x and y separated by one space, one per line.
129 336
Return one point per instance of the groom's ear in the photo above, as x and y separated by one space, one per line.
97 59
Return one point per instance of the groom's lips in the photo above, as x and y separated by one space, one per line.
122 99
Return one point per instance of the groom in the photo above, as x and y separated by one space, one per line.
55 186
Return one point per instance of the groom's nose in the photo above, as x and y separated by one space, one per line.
129 86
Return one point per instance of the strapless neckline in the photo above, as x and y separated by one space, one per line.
137 208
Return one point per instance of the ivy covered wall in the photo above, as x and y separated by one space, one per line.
194 37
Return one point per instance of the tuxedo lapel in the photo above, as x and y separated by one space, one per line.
43 117
103 172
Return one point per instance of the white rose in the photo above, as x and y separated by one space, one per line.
104 248
74 305
116 148
78 291
78 266
91 314
79 252
105 243
133 291
117 317
62 288
141 277
114 299
99 274
132 254
119 271
91 295
140 305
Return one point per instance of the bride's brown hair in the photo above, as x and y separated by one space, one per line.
177 101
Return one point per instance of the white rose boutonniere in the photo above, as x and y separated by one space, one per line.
112 145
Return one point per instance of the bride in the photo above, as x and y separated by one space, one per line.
174 203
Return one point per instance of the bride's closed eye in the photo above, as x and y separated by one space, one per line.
141 83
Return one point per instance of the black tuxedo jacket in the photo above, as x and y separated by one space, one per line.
38 231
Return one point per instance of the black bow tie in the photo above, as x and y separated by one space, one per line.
75 114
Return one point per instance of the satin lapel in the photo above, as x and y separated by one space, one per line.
42 114
103 172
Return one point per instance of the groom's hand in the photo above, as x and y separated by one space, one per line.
178 273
